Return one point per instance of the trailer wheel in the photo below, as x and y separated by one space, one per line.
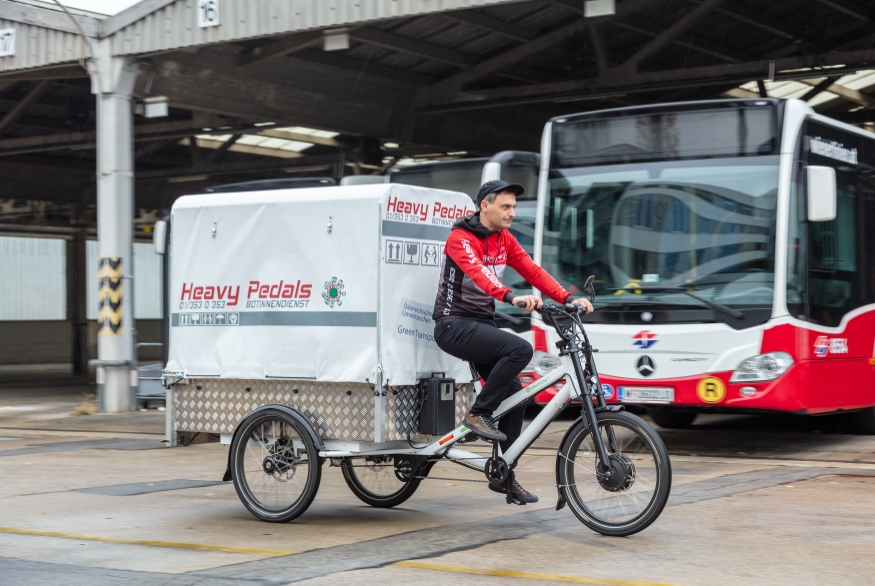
276 466
374 482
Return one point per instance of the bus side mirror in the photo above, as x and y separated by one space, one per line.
821 187
491 171
159 237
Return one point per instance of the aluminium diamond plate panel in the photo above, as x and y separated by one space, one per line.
343 411
337 411
402 410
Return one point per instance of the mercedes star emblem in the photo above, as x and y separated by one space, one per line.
646 366
646 316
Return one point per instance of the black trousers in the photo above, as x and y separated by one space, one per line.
499 358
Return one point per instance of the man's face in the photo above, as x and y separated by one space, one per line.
499 214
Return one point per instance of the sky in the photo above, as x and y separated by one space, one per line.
109 7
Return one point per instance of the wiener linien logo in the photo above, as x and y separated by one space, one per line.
334 292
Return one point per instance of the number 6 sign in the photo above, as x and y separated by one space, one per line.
207 13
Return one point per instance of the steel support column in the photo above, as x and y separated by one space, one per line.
76 295
115 220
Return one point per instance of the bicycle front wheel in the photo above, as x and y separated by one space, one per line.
632 495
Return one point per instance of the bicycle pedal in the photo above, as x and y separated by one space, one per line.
516 502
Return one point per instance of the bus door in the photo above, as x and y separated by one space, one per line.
831 274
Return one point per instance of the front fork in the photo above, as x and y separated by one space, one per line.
588 412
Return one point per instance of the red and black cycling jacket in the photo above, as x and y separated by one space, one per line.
473 263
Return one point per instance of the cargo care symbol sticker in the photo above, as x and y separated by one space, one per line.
333 292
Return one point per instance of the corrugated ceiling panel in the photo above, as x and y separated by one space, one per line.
37 46
175 25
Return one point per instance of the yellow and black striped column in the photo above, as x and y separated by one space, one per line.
109 297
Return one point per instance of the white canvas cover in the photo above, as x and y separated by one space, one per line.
324 284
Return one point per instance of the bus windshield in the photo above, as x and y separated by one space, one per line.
707 225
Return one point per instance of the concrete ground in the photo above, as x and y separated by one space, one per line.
98 499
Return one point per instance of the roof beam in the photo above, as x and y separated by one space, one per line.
388 40
761 87
219 153
851 8
12 115
454 83
670 34
750 16
60 72
496 26
361 70
848 94
689 41
290 135
598 45
822 86
237 166
624 7
621 80
66 138
283 47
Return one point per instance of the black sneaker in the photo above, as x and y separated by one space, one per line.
519 493
484 426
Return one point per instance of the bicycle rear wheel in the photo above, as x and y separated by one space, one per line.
634 494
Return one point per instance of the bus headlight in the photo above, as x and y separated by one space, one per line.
544 363
764 367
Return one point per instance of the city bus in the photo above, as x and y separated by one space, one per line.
735 271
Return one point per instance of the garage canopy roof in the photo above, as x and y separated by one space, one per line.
250 96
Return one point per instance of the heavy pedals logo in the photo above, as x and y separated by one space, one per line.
109 297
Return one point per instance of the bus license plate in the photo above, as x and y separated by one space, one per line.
646 394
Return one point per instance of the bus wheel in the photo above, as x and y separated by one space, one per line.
672 419
864 421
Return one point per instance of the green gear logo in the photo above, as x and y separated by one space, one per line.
333 292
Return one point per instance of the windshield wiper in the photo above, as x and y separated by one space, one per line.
736 313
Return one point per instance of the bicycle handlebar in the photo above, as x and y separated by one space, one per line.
566 309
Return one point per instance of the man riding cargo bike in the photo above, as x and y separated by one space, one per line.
366 375
477 251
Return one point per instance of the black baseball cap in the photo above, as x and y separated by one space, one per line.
495 186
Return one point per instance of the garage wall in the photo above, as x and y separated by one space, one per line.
48 342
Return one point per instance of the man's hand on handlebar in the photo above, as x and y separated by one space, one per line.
584 303
528 302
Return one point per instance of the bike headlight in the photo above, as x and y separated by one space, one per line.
544 362
764 367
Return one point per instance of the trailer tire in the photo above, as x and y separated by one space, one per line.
382 489
269 451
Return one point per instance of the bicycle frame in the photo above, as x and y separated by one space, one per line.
571 369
